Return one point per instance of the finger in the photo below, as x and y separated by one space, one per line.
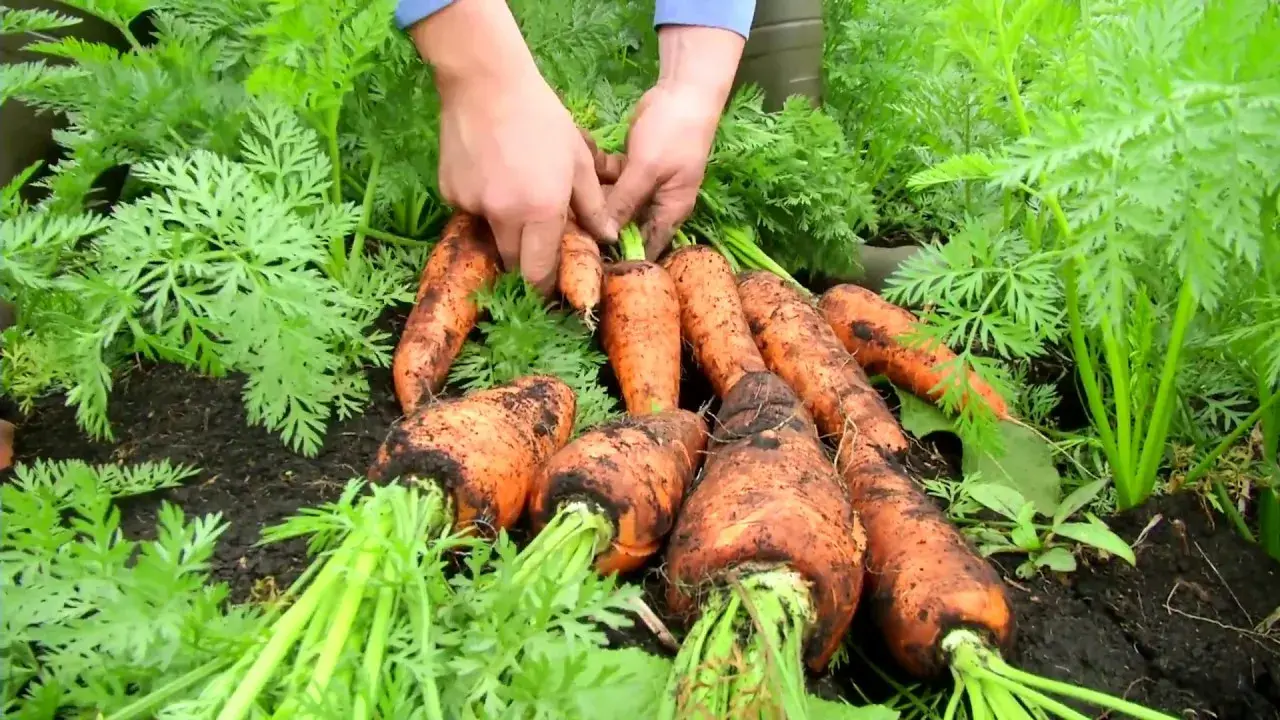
634 188
608 166
665 216
540 253
506 234
588 204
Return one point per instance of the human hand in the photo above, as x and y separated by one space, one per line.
672 130
509 150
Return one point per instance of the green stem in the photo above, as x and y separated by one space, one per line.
366 211
1032 697
1269 517
568 543
1158 431
386 237
681 684
744 651
739 243
1084 360
335 156
146 705
376 650
284 633
345 614
1232 512
1118 363
972 657
1208 460
631 243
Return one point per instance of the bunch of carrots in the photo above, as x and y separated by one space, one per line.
777 518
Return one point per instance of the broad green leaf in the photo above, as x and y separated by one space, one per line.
1026 464
1058 559
1097 534
1078 498
820 709
997 498
1026 537
921 418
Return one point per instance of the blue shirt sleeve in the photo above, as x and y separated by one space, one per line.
735 15
409 12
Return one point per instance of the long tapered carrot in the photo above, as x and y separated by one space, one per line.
801 348
871 329
640 329
711 317
768 498
634 471
940 605
464 261
483 448
581 273
924 578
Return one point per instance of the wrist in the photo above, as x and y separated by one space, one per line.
474 43
702 59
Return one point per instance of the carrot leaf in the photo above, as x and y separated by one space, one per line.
522 335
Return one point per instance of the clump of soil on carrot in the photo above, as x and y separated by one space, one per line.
1106 626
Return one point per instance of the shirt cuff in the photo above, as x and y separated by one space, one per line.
735 15
409 12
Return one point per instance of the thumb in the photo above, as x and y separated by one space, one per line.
666 214
588 203
632 191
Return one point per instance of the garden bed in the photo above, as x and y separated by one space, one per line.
1176 633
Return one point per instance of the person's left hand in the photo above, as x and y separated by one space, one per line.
666 158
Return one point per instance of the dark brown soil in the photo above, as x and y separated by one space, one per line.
1179 632
1174 634
247 474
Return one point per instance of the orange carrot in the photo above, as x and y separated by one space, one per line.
464 261
634 471
640 329
483 448
581 274
802 349
924 578
770 520
711 317
871 329
6 444
907 536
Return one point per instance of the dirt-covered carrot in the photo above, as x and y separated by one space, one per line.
802 349
640 328
767 554
942 607
482 449
711 318
612 494
6 444
464 261
581 273
872 330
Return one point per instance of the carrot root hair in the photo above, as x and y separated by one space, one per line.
750 635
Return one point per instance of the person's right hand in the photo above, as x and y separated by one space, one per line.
514 156
509 150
